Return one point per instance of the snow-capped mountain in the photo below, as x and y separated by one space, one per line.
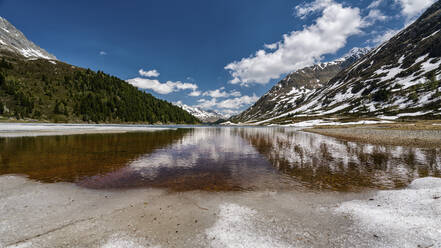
203 115
289 92
398 79
11 39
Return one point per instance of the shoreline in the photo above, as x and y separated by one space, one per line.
414 135
10 130
64 215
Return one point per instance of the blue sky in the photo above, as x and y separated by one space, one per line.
219 55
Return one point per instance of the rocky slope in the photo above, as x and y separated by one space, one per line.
208 116
286 94
11 39
398 79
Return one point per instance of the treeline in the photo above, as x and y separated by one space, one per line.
40 89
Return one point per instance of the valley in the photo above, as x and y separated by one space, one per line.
251 124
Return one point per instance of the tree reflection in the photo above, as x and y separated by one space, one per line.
321 162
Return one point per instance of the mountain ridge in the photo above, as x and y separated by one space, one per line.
296 85
14 40
209 116
401 78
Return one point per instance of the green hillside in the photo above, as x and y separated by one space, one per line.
56 91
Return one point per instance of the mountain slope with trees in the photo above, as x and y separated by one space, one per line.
39 87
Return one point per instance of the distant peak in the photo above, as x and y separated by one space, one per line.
201 114
14 40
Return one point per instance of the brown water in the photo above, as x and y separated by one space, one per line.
216 159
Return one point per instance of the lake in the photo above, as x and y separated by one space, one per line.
216 159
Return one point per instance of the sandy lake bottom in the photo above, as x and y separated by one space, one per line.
216 187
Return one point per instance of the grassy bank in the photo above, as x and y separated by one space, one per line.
418 134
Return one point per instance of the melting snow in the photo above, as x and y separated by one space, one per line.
29 52
400 218
434 33
237 227
400 61
391 73
414 114
122 240
312 123
420 59
427 66
28 129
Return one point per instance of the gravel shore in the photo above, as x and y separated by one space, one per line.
34 214
384 136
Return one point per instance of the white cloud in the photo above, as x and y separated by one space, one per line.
238 102
412 8
227 104
103 53
235 93
300 48
151 73
271 46
373 16
161 88
195 93
220 93
375 4
206 104
304 10
216 93
228 112
385 36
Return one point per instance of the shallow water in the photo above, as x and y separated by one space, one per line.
216 159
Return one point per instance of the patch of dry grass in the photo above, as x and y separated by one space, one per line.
417 134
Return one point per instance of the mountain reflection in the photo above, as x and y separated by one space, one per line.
216 159
73 157
321 162
212 159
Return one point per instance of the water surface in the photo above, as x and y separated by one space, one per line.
216 159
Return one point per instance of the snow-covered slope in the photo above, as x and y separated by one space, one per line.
292 90
399 78
11 39
203 115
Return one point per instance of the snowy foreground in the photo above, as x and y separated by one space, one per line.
63 215
42 129
401 218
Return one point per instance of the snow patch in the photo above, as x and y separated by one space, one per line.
400 61
400 218
42 129
237 227
29 53
427 66
433 34
421 59
312 123
414 114
390 73
22 245
124 241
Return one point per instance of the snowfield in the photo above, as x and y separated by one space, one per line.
400 218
